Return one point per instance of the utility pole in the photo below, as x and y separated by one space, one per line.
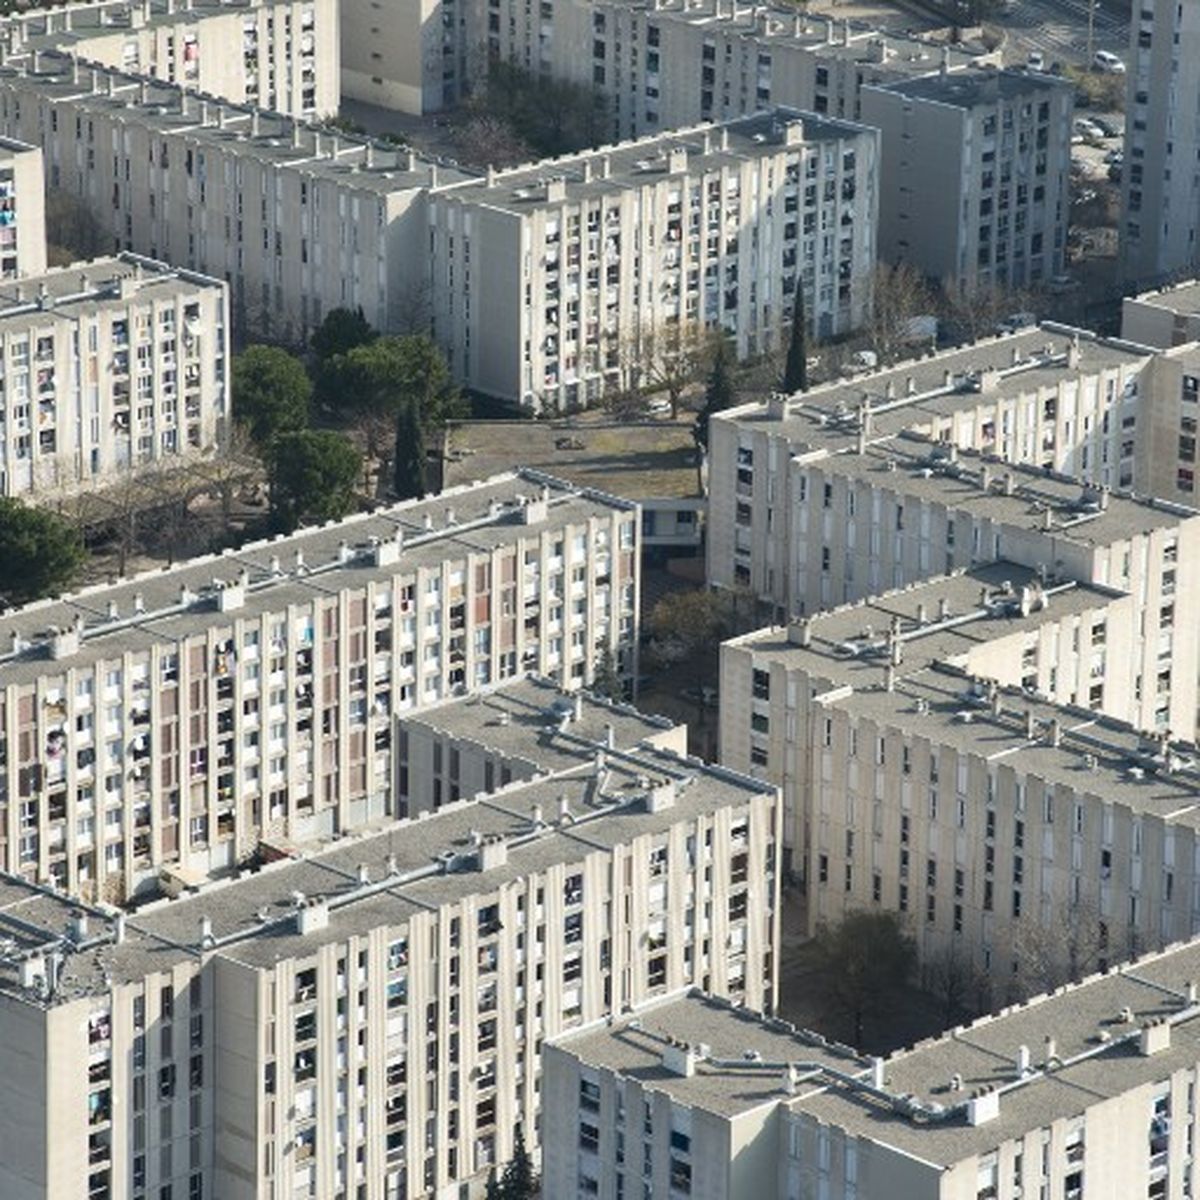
1091 43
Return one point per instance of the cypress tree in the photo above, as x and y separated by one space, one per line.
718 391
408 473
795 373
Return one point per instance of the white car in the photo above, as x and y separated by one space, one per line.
1088 130
1036 61
1109 63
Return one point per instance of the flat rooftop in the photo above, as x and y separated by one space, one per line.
277 141
1093 754
150 609
919 1106
973 87
642 461
822 36
1183 298
97 285
377 880
611 170
939 620
534 721
918 394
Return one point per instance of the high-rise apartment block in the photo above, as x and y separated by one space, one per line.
280 55
1159 215
22 210
1090 1091
657 65
110 366
368 1020
944 752
547 280
975 169
871 483
173 721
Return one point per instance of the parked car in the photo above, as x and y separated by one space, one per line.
1015 321
1088 130
1114 173
658 407
1036 61
1107 62
1062 283
1115 156
1107 126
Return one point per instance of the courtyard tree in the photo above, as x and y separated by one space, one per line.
271 392
40 553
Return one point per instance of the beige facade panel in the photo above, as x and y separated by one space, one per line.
175 721
110 367
371 1017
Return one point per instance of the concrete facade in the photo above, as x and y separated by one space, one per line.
1162 133
369 1020
172 722
110 367
1086 1092
281 55
548 280
975 171
22 210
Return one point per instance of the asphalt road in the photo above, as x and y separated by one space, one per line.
1058 28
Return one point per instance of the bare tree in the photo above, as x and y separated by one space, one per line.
231 469
975 313
668 358
1052 949
951 978
900 294
486 139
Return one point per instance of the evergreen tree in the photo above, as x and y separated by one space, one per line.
342 330
313 472
40 553
408 477
795 373
718 391
271 392
607 680
519 1181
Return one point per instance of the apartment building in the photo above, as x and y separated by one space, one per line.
1002 623
1089 1091
111 366
368 1020
22 210
1163 318
172 721
798 488
547 279
297 219
975 165
273 54
1021 830
660 65
518 730
1162 133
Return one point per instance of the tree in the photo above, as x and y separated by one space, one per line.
1059 948
795 373
718 391
900 294
950 977
486 139
607 679
236 465
313 472
40 553
72 232
689 625
519 1182
862 963
342 330
409 465
668 359
271 392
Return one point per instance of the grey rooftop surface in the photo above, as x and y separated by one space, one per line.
380 879
976 86
916 394
611 170
94 286
1184 298
1094 755
913 466
271 138
940 620
532 720
335 556
823 36
1083 1043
